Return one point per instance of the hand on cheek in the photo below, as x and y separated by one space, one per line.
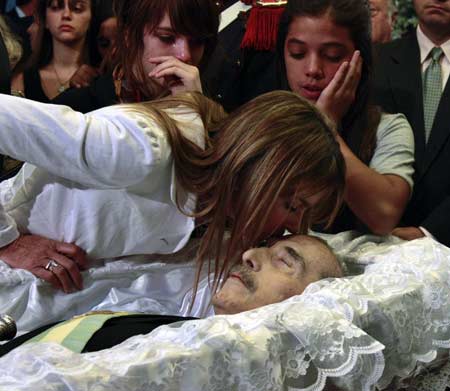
336 99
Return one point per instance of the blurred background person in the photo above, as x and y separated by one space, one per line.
383 14
20 8
68 41
11 56
12 52
107 31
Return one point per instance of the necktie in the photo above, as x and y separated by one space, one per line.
432 89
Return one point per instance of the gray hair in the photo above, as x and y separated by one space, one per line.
392 7
331 264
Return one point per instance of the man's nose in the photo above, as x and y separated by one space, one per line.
251 259
183 50
314 68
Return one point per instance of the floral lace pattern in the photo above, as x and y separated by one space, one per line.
359 332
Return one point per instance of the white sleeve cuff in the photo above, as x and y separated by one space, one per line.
427 233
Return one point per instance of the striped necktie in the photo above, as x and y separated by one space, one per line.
432 89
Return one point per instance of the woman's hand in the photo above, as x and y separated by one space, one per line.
83 76
339 95
408 233
34 253
178 76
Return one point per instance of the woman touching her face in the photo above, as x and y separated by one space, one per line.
325 47
160 49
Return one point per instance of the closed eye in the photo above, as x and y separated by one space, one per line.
168 39
297 55
284 262
290 207
293 207
296 49
333 58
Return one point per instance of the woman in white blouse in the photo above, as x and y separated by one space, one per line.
137 179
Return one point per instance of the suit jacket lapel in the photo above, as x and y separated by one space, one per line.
440 130
406 87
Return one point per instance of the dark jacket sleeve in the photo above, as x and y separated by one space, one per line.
437 222
381 93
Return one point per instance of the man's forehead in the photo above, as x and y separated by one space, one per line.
298 239
307 246
380 3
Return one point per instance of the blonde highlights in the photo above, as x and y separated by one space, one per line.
273 144
12 44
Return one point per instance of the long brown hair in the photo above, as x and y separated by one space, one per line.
198 19
276 142
360 123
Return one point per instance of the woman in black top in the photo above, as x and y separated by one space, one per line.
66 28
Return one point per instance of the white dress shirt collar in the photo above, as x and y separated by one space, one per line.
20 13
426 45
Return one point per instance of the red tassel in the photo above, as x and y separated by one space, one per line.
262 28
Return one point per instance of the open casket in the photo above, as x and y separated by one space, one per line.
369 330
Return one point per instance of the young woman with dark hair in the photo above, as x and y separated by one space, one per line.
138 178
161 46
325 50
67 41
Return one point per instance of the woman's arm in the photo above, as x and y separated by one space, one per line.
109 148
378 194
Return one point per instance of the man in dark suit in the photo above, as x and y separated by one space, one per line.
411 77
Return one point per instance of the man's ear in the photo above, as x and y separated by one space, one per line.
393 19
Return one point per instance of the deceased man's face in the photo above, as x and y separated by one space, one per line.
269 275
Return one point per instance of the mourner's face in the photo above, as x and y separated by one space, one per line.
314 49
269 275
165 41
288 212
433 12
68 20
